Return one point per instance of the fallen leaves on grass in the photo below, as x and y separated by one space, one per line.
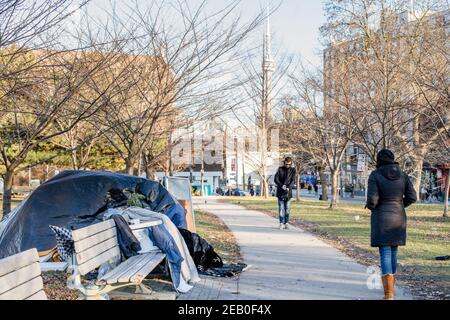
55 286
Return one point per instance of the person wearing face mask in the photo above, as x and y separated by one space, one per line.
284 180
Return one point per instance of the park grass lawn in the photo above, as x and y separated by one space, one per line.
428 236
215 231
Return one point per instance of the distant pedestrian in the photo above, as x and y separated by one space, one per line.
309 188
284 180
316 188
252 191
423 194
390 191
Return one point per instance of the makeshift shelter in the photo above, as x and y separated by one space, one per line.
74 199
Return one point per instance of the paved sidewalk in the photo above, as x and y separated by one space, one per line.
285 265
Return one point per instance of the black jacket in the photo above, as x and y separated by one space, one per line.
128 243
390 192
285 177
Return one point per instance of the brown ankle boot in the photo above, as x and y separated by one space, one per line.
388 284
385 287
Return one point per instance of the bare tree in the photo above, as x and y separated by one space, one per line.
42 86
330 128
262 90
178 71
301 141
368 72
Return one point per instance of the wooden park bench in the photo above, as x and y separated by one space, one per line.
98 244
20 277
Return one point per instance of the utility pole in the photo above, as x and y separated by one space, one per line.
170 155
202 170
224 157
236 148
243 167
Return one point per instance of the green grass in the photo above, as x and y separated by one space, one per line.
428 232
213 230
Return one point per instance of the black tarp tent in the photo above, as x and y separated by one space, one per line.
73 199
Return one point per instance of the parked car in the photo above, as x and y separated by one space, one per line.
220 191
238 193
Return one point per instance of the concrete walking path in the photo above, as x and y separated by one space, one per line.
285 264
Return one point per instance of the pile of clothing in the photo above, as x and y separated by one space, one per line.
76 199
165 237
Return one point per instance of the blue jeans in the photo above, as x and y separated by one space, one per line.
388 258
284 210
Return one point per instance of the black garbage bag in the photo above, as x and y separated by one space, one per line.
74 199
201 251
443 258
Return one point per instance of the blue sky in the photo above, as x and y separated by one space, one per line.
295 25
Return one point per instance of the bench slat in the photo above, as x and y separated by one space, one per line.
126 277
86 232
95 239
153 262
92 264
112 276
24 291
38 296
18 261
138 272
91 253
54 266
16 278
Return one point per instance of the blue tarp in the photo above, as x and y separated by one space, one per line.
73 199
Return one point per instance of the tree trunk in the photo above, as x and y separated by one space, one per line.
73 156
298 186
149 173
417 176
264 188
447 190
334 189
129 169
202 182
324 183
7 191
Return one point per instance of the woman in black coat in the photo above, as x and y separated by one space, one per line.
390 192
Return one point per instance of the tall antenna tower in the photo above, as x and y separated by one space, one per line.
268 68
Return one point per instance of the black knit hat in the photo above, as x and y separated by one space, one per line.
385 157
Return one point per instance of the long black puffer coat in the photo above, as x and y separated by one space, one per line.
390 192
